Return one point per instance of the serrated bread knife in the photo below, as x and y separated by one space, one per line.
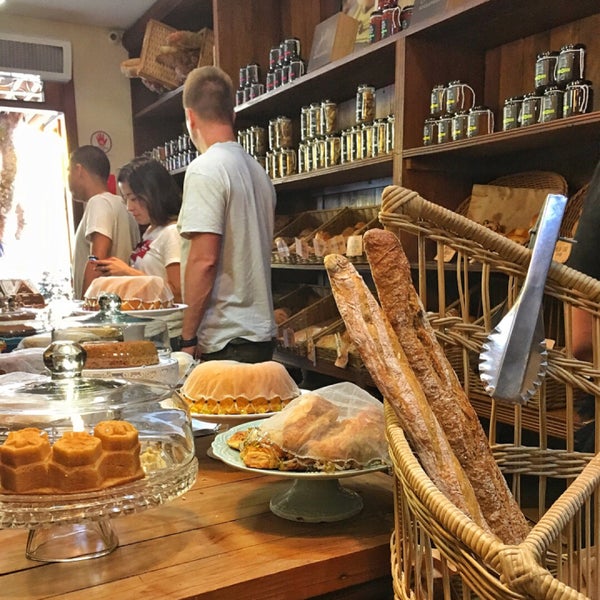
513 361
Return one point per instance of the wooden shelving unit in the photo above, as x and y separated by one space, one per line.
490 44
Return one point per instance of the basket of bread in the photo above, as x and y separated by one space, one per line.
503 512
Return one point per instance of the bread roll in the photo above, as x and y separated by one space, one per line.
385 359
392 276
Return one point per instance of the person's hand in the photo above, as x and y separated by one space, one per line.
112 266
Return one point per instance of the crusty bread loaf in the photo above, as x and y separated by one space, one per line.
387 363
228 387
117 355
401 303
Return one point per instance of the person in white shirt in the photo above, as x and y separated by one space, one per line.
106 228
226 222
153 199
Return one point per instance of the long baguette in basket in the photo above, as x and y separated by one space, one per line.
384 358
402 305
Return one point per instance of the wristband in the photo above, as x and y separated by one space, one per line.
188 343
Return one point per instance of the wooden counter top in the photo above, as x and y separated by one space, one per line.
221 541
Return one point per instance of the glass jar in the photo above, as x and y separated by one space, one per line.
295 69
552 104
444 129
304 119
480 121
430 131
367 139
345 153
578 98
252 73
284 129
291 49
375 26
530 109
379 137
273 134
332 150
545 70
511 113
390 136
570 63
437 105
274 58
365 104
406 16
459 125
328 117
390 22
314 120
359 145
459 96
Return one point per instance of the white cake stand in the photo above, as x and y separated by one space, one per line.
312 497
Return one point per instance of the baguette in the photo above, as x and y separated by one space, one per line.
402 305
382 354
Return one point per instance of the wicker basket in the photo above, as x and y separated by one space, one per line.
320 353
436 550
155 36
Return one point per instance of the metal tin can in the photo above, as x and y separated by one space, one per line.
458 130
530 109
511 113
270 81
274 58
375 21
480 121
430 131
256 90
365 104
332 150
578 98
552 104
296 69
327 119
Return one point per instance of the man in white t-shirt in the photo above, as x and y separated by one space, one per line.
226 221
106 228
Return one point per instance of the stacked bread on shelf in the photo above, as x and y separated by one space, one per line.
405 360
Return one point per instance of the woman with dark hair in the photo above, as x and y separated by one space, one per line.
154 199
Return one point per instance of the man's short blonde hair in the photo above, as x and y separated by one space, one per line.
208 91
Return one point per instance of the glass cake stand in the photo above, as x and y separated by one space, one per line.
68 526
312 497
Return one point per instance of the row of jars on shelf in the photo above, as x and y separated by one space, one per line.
352 144
176 153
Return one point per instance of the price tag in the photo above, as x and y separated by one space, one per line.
337 244
354 245
301 248
562 251
320 246
282 248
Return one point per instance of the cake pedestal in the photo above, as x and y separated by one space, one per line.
66 543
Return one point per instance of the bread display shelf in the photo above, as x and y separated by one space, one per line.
296 333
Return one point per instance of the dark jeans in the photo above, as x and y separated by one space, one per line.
243 351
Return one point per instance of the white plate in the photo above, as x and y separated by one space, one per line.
232 457
157 312
232 419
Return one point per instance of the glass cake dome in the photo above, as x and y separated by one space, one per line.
65 402
112 324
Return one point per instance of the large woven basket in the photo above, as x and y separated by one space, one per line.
438 552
